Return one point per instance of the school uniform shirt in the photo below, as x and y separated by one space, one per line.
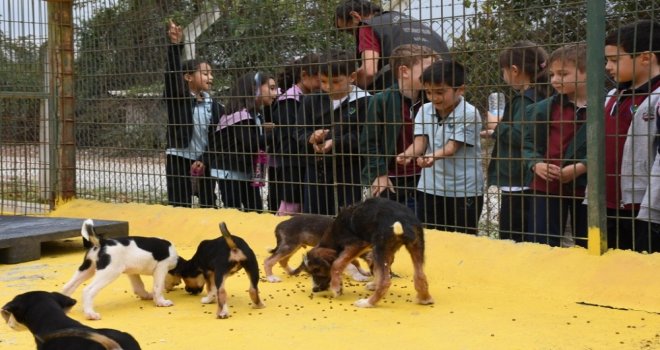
565 128
621 106
461 174
202 117
344 119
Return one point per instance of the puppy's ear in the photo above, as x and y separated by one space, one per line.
64 301
12 307
326 255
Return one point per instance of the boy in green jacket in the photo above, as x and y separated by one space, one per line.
389 125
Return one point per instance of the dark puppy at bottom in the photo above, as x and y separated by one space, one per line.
298 232
377 224
213 262
44 314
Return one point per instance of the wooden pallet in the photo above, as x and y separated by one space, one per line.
21 236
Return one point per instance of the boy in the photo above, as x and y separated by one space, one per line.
329 126
556 151
447 147
633 60
389 127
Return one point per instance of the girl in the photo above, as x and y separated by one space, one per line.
287 171
523 68
191 112
238 139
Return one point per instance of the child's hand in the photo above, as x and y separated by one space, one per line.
403 159
425 161
324 147
487 133
268 126
174 32
571 172
381 184
318 136
548 172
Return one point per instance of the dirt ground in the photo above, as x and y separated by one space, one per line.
489 294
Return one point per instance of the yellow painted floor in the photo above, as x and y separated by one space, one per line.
489 294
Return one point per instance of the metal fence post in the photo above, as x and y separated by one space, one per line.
596 128
60 44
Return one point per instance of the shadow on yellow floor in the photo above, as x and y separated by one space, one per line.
489 294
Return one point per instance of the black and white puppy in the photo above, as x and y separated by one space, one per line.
377 224
133 256
44 314
213 262
298 232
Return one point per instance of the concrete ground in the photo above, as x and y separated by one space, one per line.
489 294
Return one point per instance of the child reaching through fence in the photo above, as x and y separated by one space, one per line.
190 112
447 147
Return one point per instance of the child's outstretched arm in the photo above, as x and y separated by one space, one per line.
174 82
416 149
448 150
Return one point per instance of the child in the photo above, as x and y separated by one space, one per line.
239 138
191 113
388 130
556 150
329 126
287 171
523 68
633 60
450 190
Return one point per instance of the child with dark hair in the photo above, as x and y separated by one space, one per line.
329 125
523 68
447 147
287 171
556 151
633 61
377 33
236 149
191 114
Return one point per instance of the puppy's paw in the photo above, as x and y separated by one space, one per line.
370 286
359 277
426 301
364 303
164 303
145 296
336 292
261 305
273 279
208 299
223 314
92 316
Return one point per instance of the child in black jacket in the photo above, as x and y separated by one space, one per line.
239 139
191 114
328 128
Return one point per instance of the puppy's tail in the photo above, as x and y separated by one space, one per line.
88 234
227 236
397 228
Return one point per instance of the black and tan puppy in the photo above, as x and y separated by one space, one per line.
377 224
213 262
44 314
298 232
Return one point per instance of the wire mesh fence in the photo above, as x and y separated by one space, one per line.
162 84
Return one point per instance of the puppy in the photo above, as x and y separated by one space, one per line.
213 262
44 314
298 232
377 224
134 256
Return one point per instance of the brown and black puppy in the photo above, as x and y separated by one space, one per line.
377 224
298 232
213 262
44 314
